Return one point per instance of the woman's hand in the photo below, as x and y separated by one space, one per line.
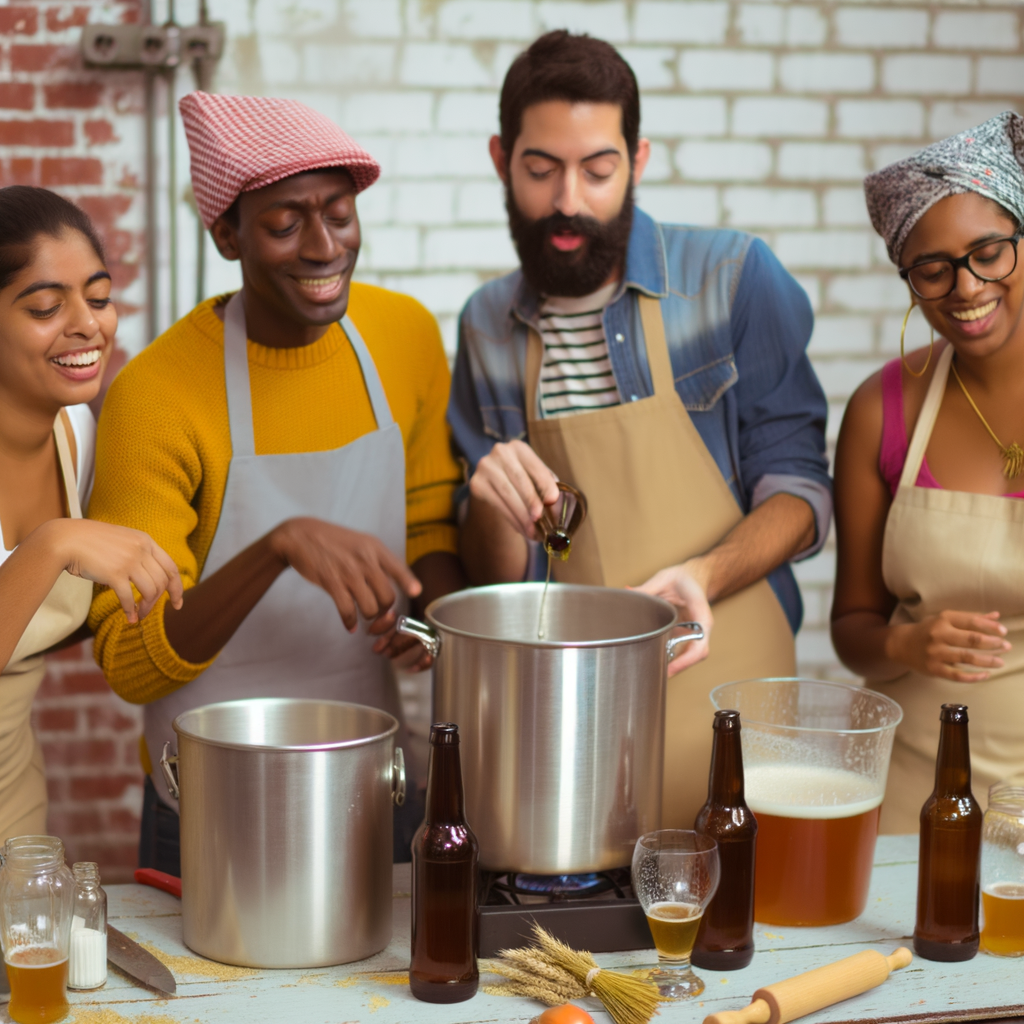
939 643
116 557
678 586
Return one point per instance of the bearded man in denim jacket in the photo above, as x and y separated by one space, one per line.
702 491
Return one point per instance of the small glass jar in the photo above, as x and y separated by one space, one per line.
1002 871
36 893
88 960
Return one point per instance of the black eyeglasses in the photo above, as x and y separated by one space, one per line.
991 261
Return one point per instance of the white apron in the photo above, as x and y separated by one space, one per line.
22 772
293 643
964 552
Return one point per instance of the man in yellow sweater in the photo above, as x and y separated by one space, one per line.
286 446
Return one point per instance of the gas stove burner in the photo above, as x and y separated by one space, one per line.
515 887
558 885
595 911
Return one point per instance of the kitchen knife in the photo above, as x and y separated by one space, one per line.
134 960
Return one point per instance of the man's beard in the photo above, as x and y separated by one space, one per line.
581 271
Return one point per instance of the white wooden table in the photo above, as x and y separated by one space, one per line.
376 991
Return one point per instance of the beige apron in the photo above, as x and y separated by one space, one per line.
656 497
22 772
964 552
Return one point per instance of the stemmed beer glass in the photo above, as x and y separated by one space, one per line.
675 874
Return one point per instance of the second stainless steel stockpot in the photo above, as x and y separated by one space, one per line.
286 829
563 737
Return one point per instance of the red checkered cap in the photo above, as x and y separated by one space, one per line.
241 143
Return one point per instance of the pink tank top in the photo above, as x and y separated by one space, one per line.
894 434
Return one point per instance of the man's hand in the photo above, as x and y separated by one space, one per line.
679 587
356 569
514 481
936 645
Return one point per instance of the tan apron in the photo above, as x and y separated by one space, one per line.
22 772
656 497
963 552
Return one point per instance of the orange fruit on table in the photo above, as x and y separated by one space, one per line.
564 1014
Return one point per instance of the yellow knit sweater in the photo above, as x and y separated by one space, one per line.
163 449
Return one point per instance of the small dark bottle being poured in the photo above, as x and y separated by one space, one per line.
725 941
444 881
948 871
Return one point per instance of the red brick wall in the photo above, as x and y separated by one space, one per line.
79 132
90 741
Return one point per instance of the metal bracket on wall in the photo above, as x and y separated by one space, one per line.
150 46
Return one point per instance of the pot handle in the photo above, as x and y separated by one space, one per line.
398 777
427 635
675 642
169 766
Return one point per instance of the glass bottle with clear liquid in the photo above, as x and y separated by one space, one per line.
88 954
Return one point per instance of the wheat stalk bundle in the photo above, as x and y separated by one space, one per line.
553 973
528 974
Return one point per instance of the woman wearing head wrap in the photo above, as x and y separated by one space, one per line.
929 601
57 327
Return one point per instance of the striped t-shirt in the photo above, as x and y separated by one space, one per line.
576 373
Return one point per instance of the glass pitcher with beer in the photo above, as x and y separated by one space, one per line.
36 900
815 757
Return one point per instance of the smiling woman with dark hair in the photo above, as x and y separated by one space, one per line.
57 327
930 470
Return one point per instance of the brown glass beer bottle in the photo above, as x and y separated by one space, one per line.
950 850
444 881
725 941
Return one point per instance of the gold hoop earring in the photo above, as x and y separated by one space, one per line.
931 346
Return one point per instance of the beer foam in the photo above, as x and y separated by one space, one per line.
1005 890
796 791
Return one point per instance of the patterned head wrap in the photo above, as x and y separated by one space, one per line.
242 143
987 160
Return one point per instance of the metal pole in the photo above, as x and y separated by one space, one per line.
172 191
152 269
199 70
172 175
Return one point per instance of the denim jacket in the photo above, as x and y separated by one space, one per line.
737 326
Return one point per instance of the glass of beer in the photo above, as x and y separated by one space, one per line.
675 874
815 757
1002 871
36 896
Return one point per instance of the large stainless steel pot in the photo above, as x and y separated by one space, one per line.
562 738
286 830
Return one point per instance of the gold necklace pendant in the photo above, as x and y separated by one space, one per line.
1013 460
1013 454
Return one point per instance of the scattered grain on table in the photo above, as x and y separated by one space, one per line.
108 1016
397 978
378 1003
352 979
199 966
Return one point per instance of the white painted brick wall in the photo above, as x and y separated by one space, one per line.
762 115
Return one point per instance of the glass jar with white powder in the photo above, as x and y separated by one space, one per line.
88 954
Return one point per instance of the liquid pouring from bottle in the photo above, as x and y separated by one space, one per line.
559 523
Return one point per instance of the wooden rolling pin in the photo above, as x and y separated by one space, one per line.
786 1000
